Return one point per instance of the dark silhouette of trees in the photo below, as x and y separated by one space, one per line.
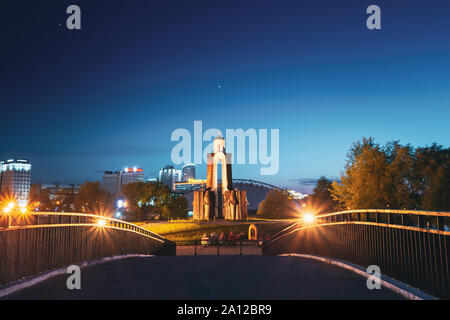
93 199
175 208
321 198
432 177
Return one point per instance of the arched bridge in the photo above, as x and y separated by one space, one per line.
407 245
40 241
326 258
244 181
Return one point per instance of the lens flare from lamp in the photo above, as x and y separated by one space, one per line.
101 223
308 218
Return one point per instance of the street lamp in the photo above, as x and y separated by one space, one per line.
308 218
8 210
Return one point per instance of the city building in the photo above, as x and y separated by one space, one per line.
53 197
130 175
191 184
169 175
188 172
16 179
113 181
60 192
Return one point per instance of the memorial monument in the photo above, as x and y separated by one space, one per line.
219 200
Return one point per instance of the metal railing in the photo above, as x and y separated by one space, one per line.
235 247
40 241
410 246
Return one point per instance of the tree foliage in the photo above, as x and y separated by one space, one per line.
175 208
277 204
153 198
321 198
394 176
93 199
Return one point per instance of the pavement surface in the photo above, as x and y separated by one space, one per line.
210 277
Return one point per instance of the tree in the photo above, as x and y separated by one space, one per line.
175 207
360 186
146 198
394 176
92 199
432 177
321 198
136 195
277 204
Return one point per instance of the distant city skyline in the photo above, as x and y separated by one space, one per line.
79 102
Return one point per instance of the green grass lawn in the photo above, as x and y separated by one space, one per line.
190 230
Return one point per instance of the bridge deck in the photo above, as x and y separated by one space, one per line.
210 277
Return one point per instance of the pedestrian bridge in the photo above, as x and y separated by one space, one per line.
409 246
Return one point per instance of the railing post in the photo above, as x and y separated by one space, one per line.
389 218
402 219
377 217
440 223
419 222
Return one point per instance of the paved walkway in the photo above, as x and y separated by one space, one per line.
210 277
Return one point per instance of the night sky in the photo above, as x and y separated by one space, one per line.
107 96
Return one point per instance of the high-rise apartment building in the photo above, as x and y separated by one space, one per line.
130 175
16 179
188 172
113 181
169 175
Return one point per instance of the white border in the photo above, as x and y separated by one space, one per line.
394 285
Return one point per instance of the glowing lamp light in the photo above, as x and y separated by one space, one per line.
6 210
22 204
308 218
118 214
23 210
101 223
120 203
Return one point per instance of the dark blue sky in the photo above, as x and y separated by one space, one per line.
109 95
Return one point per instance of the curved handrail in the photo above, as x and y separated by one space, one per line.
109 223
326 220
415 212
